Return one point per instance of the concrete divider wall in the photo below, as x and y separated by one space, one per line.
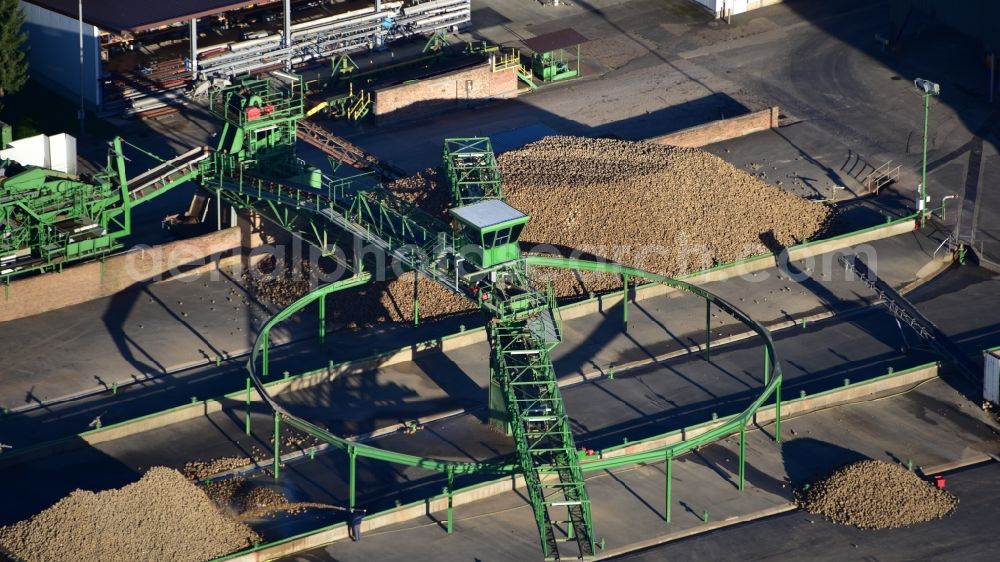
333 533
88 281
747 266
722 129
453 89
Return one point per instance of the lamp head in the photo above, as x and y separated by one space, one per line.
927 87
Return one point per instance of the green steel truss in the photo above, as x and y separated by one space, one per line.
472 171
256 167
542 435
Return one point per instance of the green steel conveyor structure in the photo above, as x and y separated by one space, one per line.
549 483
255 166
49 219
471 169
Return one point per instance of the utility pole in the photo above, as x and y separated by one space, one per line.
927 89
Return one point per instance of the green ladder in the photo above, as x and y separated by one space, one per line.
541 430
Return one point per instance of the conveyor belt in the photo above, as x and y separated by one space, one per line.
152 182
911 316
343 151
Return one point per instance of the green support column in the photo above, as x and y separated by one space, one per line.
277 443
451 509
743 453
777 413
416 299
767 366
922 206
248 406
669 473
624 303
322 320
708 330
263 352
352 455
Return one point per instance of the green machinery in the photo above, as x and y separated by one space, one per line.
477 257
557 55
489 229
523 325
255 166
49 218
471 169
552 66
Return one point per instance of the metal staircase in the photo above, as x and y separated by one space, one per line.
507 59
541 429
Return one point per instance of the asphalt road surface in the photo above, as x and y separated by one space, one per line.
968 535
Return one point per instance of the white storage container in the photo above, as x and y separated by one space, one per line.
991 376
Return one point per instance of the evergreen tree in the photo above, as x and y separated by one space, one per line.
13 66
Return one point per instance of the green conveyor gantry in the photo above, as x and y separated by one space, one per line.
255 166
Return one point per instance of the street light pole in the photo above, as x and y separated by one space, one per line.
928 89
923 171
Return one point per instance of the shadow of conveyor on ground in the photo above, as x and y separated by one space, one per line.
807 459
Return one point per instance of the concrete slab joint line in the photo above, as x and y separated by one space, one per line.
719 273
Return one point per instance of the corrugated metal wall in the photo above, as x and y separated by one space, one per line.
991 376
55 52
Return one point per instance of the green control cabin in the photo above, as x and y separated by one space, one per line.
494 227
557 55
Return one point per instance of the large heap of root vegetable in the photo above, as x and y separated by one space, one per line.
665 209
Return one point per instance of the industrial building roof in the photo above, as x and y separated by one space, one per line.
555 40
487 213
139 15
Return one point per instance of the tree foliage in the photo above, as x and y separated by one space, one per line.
13 64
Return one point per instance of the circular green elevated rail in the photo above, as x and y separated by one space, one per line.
735 424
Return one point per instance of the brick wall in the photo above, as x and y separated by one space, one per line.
723 129
93 280
439 93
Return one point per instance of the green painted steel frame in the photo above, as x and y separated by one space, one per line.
44 200
735 424
471 169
